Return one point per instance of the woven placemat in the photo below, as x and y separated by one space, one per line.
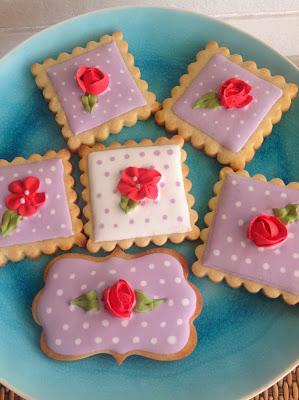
285 389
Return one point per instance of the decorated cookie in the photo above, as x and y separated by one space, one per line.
252 235
137 193
120 305
226 106
37 209
95 91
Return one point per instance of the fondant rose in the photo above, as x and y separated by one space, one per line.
266 230
139 183
92 80
120 299
234 93
24 198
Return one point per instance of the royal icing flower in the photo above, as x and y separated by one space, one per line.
92 82
24 197
119 299
232 93
267 230
137 184
23 201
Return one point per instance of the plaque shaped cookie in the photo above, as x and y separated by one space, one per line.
37 209
137 193
95 91
121 305
252 235
226 106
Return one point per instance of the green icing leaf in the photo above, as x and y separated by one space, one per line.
92 100
10 220
89 101
209 100
145 303
88 301
127 204
288 214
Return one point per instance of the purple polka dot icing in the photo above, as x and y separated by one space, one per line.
121 82
228 248
53 218
230 127
64 325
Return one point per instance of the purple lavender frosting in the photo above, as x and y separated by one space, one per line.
122 95
228 248
230 127
69 330
53 218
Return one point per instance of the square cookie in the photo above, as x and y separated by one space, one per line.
163 209
95 91
38 213
153 315
252 235
226 106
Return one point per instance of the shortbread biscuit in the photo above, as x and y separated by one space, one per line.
153 205
252 235
226 106
119 97
152 317
38 210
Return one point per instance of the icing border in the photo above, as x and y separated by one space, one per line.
234 281
184 352
115 125
50 246
159 240
201 140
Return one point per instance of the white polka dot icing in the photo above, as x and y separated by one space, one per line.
163 330
151 217
45 224
121 82
241 122
270 265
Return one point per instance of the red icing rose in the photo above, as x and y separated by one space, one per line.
267 230
139 183
24 198
120 299
234 93
92 80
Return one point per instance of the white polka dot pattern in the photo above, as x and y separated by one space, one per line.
275 266
163 330
45 224
112 105
239 123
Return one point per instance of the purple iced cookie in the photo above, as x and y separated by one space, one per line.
226 106
95 91
121 305
253 235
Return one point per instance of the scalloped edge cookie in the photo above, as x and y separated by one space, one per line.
115 125
50 246
234 281
186 350
158 240
201 140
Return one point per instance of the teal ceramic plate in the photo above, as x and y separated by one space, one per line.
245 341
